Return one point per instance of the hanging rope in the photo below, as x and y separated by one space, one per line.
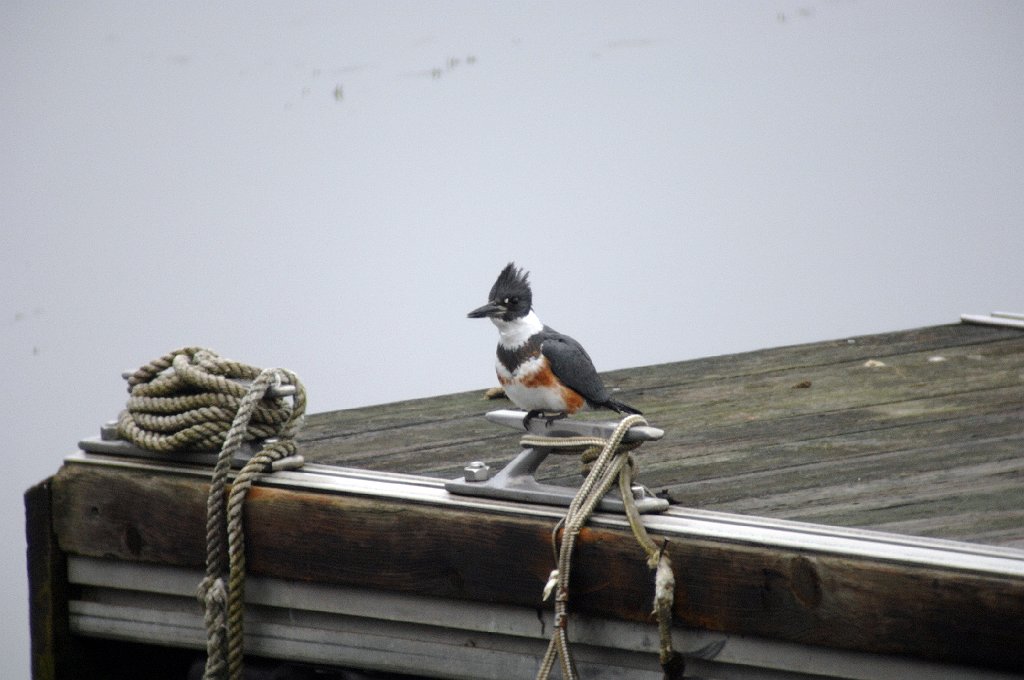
190 399
608 460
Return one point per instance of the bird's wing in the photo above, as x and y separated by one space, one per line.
572 365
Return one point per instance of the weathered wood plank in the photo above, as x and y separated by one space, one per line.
766 431
381 432
793 595
414 412
798 357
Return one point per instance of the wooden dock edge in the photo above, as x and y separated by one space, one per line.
937 614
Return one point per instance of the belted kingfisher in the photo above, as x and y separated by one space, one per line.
543 372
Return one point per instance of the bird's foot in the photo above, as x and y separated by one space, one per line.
495 393
547 417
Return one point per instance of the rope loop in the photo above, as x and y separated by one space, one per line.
605 462
193 399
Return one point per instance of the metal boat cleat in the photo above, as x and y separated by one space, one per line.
516 481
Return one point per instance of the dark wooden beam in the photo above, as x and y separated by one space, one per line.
47 600
55 653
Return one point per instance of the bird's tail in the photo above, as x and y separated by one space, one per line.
619 407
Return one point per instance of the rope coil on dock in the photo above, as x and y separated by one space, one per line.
608 461
192 399
188 398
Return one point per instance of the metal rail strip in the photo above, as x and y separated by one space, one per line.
1008 319
374 630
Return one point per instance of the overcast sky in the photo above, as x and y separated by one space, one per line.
330 187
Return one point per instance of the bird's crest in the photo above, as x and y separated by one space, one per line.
512 282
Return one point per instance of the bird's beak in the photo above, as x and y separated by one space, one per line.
490 309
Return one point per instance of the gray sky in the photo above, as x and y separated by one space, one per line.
330 187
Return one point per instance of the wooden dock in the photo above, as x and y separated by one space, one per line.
917 432
776 462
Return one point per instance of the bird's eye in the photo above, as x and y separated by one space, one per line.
514 300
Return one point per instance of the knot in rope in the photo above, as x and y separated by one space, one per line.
213 595
193 399
589 448
605 461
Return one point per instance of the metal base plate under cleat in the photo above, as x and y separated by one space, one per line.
516 480
110 444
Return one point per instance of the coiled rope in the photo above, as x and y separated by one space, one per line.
191 399
609 460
